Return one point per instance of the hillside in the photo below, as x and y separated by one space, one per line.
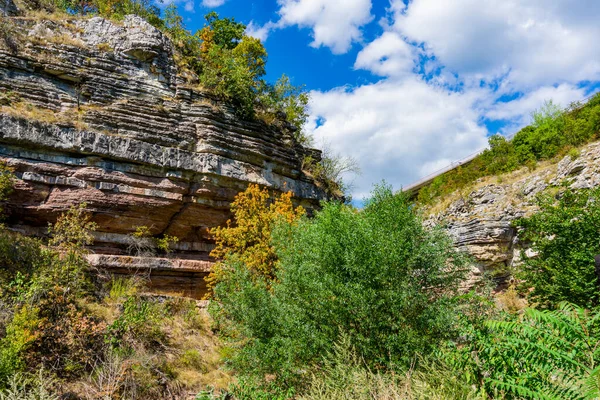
480 216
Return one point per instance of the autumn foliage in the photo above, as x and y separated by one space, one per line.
248 236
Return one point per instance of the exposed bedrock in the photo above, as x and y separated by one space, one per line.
481 220
98 112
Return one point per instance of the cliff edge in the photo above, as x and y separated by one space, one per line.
98 112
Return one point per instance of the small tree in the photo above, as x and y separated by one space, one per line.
248 236
565 234
377 276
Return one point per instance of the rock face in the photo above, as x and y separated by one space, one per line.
481 222
98 112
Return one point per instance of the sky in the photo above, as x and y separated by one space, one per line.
407 87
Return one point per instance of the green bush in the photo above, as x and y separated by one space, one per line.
19 336
138 323
376 276
565 235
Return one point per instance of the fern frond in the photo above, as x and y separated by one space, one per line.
520 390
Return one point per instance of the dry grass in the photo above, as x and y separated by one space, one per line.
511 301
196 357
208 103
346 377
21 109
186 361
507 180
60 39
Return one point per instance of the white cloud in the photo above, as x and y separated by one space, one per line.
388 55
520 109
213 3
260 32
398 130
333 25
533 42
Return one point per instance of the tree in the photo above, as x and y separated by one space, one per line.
248 237
564 234
290 100
377 276
225 32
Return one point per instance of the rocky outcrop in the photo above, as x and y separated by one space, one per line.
98 112
481 221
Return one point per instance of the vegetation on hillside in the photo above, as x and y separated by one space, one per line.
367 304
224 59
565 238
553 133
68 330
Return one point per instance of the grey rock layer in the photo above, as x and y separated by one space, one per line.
481 222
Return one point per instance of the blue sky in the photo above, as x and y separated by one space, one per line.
406 87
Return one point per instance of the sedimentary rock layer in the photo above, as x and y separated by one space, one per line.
98 112
481 221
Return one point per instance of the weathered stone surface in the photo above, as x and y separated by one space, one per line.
481 222
97 112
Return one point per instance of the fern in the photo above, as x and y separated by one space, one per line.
546 355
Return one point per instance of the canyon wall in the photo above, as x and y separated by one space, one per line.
480 218
98 112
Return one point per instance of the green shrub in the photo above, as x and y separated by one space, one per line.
29 387
138 323
377 276
565 235
20 334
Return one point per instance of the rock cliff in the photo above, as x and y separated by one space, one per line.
480 218
99 112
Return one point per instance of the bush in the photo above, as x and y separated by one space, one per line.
138 323
377 276
248 236
29 387
564 234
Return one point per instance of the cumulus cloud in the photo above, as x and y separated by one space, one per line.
213 3
399 130
333 25
188 5
528 43
447 67
519 110
388 55
260 32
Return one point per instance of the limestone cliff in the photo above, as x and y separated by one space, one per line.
99 112
480 218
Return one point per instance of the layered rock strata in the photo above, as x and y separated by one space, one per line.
481 219
98 112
